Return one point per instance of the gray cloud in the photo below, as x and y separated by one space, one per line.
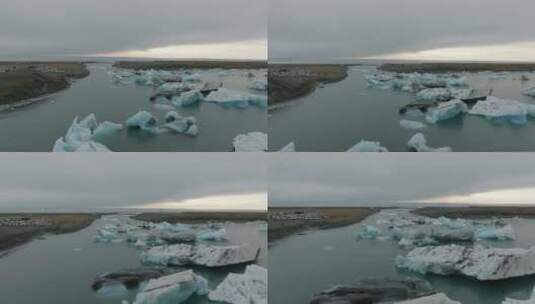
305 29
81 27
92 181
376 178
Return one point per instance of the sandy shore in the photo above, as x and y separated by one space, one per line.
21 81
17 229
443 67
176 65
284 222
291 81
201 217
476 212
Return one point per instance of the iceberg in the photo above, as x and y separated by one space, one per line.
259 85
229 98
368 233
142 120
461 93
457 82
92 146
180 124
531 300
187 99
529 92
112 289
251 287
127 278
411 124
80 136
200 255
446 110
250 142
496 233
418 143
288 148
479 262
172 289
107 127
435 94
502 110
172 88
178 237
367 146
212 235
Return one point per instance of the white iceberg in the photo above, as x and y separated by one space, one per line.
80 136
172 289
107 127
368 233
251 287
142 120
200 255
367 146
288 148
435 94
173 88
180 124
212 235
411 124
187 99
230 98
446 110
457 82
250 142
418 143
502 110
478 262
496 233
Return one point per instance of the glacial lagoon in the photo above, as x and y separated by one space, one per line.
337 116
36 127
321 259
61 268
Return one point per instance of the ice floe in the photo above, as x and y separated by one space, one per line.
367 146
235 99
529 92
180 124
172 289
200 255
411 124
445 111
187 99
288 148
81 135
479 262
259 85
503 110
437 298
435 94
418 143
142 120
250 142
251 287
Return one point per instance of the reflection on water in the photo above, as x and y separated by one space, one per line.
322 259
60 268
36 127
336 117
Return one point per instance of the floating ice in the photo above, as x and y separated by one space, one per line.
435 94
259 85
529 92
288 148
107 127
419 144
460 93
229 98
457 82
367 146
180 124
503 110
80 136
496 233
411 124
251 287
187 99
172 289
201 255
112 289
212 235
478 262
105 236
368 233
250 142
446 110
142 120
173 88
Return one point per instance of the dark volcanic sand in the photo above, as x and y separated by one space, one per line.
443 67
176 65
200 217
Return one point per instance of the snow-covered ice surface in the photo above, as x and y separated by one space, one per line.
172 289
251 142
250 287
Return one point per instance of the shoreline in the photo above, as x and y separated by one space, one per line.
24 83
445 67
27 227
476 212
305 218
288 82
195 64
201 217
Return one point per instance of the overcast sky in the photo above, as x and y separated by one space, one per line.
407 29
352 179
191 29
174 180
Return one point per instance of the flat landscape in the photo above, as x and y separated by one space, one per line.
188 64
438 67
200 217
476 212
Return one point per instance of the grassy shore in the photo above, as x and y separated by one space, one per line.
185 64
39 224
443 67
331 217
291 81
24 80
201 217
476 212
